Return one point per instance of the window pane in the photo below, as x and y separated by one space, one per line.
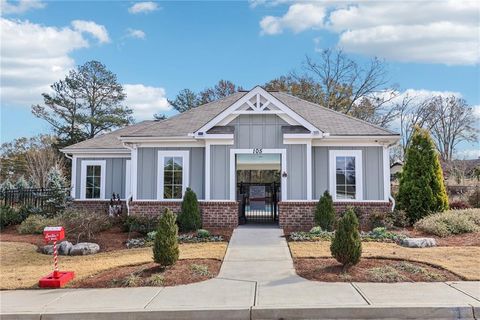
168 163
89 182
88 193
96 192
96 181
350 163
167 178
167 192
351 190
178 175
90 170
178 163
350 177
97 170
340 163
340 177
177 192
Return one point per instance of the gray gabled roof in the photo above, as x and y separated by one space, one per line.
327 120
331 121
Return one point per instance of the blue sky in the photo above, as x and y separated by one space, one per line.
156 49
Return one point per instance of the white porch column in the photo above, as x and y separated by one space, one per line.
207 170
134 171
73 178
309 170
386 173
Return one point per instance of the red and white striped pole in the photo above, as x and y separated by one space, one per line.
55 259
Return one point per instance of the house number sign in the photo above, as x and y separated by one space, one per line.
257 151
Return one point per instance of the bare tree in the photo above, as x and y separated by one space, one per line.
452 123
344 82
222 89
40 161
413 112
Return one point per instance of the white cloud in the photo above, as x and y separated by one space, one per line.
145 100
143 7
445 32
468 153
135 33
18 7
96 30
33 57
299 17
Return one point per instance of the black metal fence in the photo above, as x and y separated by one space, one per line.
33 197
258 202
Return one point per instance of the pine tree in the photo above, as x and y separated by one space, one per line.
346 245
58 198
21 183
189 219
6 185
165 247
422 190
325 212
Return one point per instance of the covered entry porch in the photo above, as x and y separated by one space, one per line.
258 177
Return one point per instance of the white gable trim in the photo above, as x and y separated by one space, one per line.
271 100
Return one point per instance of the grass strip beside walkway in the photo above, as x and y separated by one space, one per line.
462 261
22 266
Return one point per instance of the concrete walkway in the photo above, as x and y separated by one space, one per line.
257 281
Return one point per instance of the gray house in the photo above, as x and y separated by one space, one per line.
252 156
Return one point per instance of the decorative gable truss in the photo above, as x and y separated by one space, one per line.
257 101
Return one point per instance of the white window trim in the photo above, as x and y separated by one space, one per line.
83 183
358 173
185 171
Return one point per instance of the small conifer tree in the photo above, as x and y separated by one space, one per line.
165 247
422 190
6 185
21 183
189 219
346 246
325 212
59 197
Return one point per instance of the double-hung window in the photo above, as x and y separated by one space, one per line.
346 175
173 174
92 179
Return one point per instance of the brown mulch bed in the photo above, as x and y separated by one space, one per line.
109 240
371 270
465 239
183 272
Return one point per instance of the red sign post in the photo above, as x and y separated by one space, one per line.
56 279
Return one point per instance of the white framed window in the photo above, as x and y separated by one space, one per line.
173 174
346 181
93 179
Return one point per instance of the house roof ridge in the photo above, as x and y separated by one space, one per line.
337 112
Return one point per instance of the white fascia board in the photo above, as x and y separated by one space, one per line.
218 136
103 155
156 139
94 150
357 141
258 90
170 144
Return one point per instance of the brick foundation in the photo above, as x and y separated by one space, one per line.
215 214
100 206
298 215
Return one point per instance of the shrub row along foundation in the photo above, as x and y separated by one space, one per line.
299 215
215 214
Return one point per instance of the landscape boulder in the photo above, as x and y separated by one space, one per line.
48 249
64 248
418 242
84 248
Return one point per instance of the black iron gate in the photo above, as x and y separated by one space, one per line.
258 202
